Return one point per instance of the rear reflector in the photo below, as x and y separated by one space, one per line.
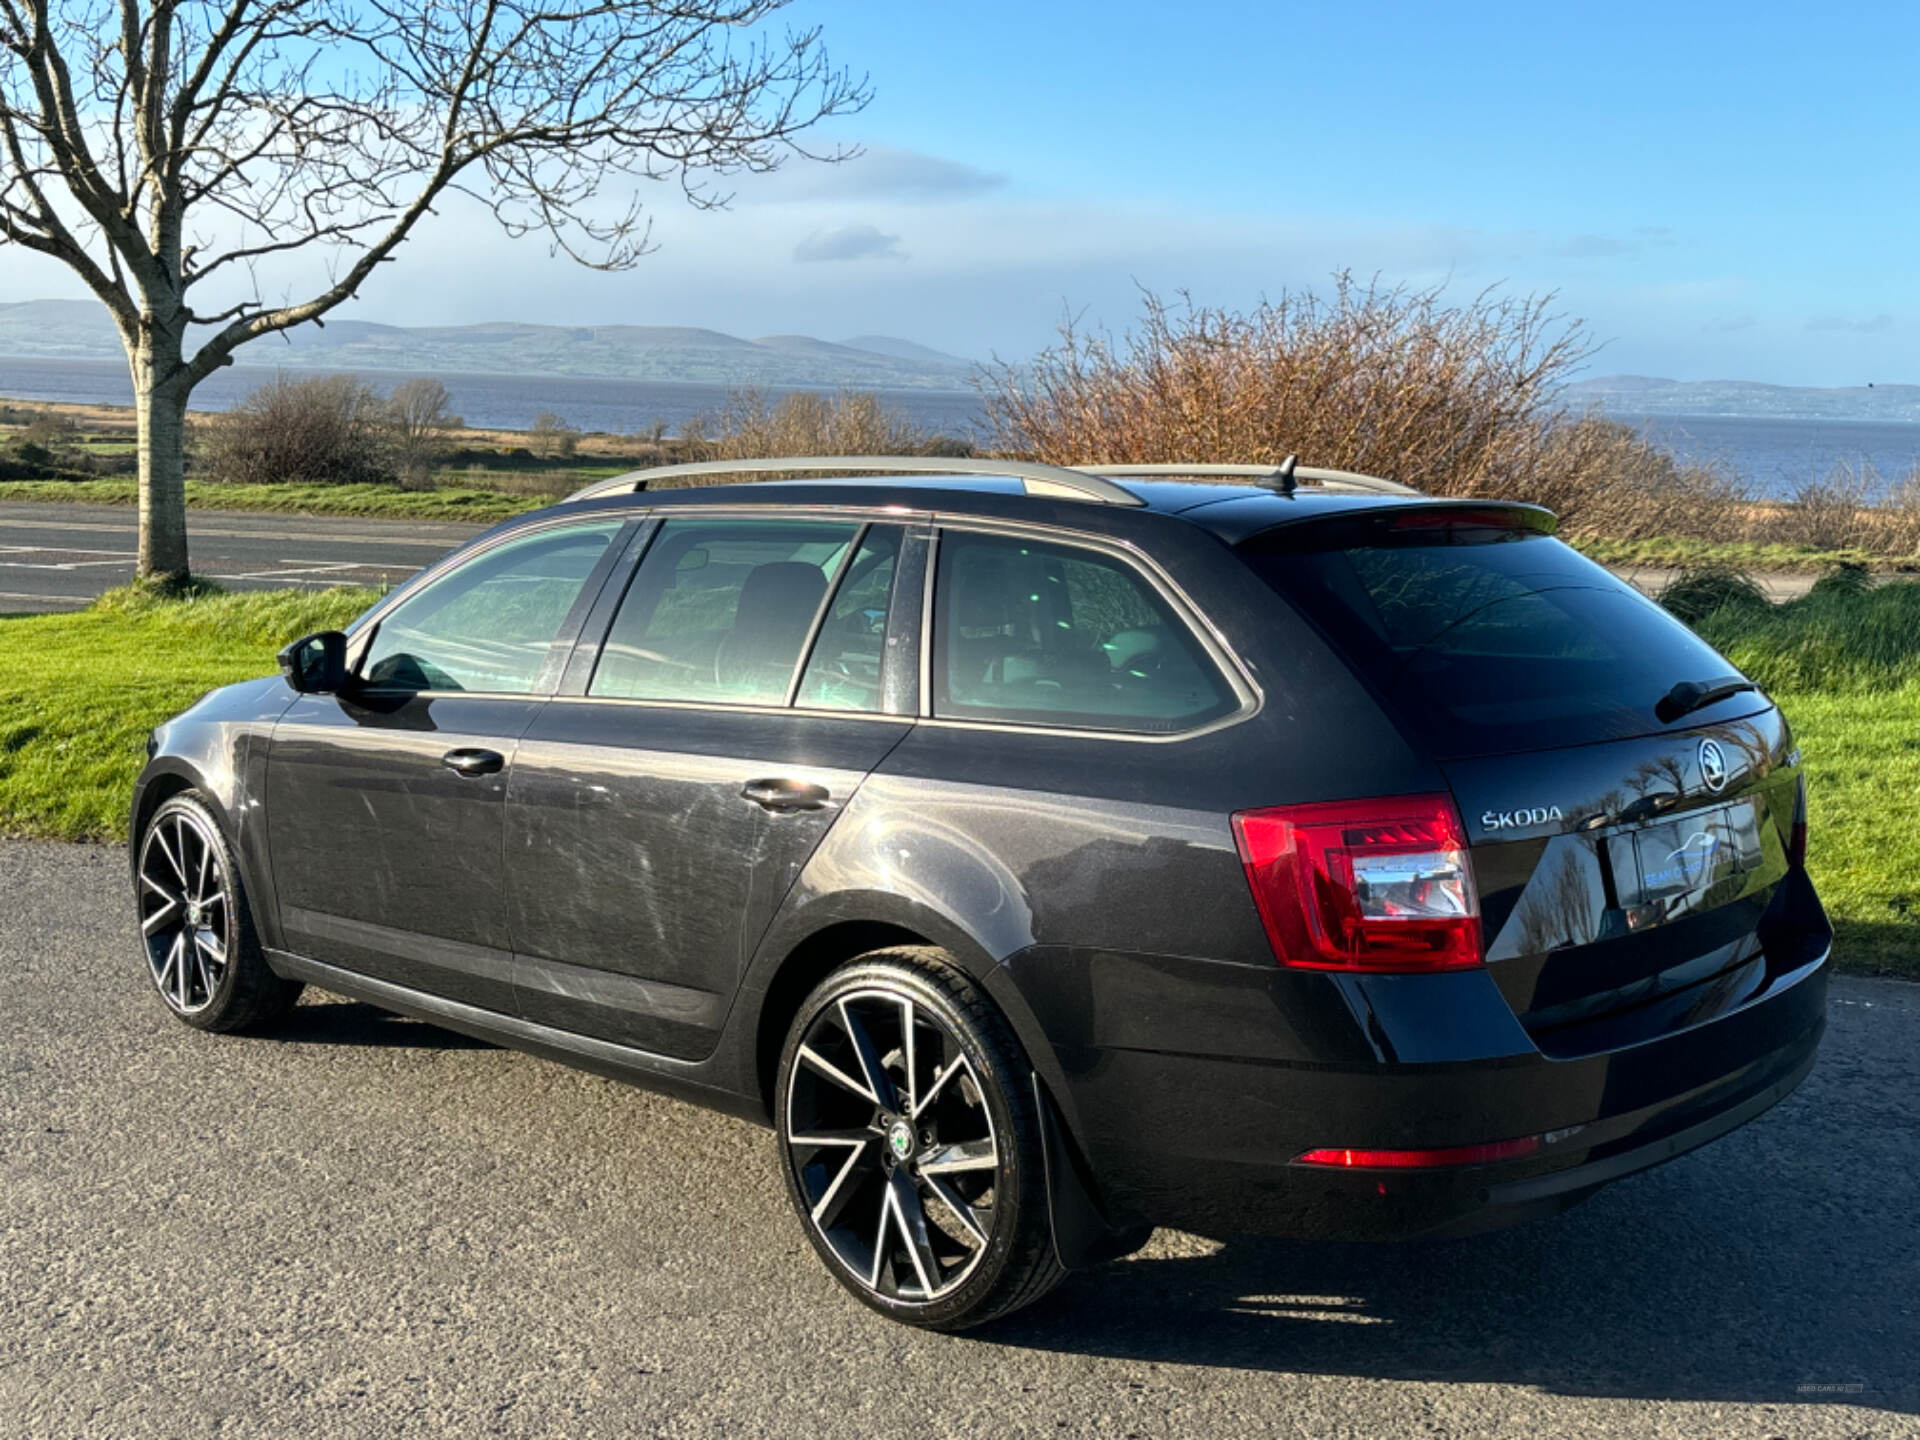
1422 1159
1375 885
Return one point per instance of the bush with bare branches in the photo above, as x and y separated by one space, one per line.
802 423
323 429
1834 512
1899 516
1453 399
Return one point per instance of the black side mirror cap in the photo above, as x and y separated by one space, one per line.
316 664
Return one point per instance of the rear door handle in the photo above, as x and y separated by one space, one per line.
783 796
474 762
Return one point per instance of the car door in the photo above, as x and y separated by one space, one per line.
660 807
384 821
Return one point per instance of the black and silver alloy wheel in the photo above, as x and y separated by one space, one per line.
196 932
910 1145
186 910
894 1144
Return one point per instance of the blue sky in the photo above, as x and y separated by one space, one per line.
1719 190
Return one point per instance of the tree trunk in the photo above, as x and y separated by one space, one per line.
160 403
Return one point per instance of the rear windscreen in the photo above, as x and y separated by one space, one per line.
1486 640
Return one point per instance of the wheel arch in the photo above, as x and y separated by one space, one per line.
164 778
167 777
804 966
1083 1234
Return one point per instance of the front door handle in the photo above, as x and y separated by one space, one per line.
783 796
474 762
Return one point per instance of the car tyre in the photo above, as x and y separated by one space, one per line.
911 1145
197 934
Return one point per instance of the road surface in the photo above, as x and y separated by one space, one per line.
363 1226
58 557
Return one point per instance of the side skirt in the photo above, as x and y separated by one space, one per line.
679 1078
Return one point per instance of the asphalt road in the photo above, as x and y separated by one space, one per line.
365 1226
58 557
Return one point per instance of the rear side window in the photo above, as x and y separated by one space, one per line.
1487 640
1044 634
719 610
843 672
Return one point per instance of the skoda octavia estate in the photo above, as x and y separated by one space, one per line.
1045 854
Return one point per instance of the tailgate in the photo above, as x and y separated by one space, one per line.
1628 876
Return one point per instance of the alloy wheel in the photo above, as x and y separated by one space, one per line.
892 1144
185 911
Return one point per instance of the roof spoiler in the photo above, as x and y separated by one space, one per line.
1375 524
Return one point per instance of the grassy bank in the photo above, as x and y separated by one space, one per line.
481 507
1863 820
1844 663
1843 638
79 692
1670 553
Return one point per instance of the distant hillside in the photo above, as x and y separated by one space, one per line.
1744 399
81 330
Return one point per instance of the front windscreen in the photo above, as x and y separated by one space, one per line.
1487 639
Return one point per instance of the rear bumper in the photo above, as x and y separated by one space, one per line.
1202 1131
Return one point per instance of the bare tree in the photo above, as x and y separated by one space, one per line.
174 152
421 413
552 436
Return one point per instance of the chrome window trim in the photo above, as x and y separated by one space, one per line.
1245 689
723 708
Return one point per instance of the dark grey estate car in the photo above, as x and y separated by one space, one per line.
1046 854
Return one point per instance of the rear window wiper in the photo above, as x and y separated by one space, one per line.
1691 695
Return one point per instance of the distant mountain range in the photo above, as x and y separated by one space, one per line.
81 330
1744 399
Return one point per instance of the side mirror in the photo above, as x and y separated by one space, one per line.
316 664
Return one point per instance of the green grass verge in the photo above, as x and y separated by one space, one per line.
1844 664
1662 553
78 693
1840 639
1863 821
483 507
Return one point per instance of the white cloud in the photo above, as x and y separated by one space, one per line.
1867 325
877 173
849 242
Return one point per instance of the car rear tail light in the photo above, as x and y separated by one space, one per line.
1373 885
1797 836
1422 1159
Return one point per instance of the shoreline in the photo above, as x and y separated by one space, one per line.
491 401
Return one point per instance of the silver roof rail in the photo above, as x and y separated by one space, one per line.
1051 480
1335 479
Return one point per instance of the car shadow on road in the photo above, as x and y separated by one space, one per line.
1684 1285
348 1022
